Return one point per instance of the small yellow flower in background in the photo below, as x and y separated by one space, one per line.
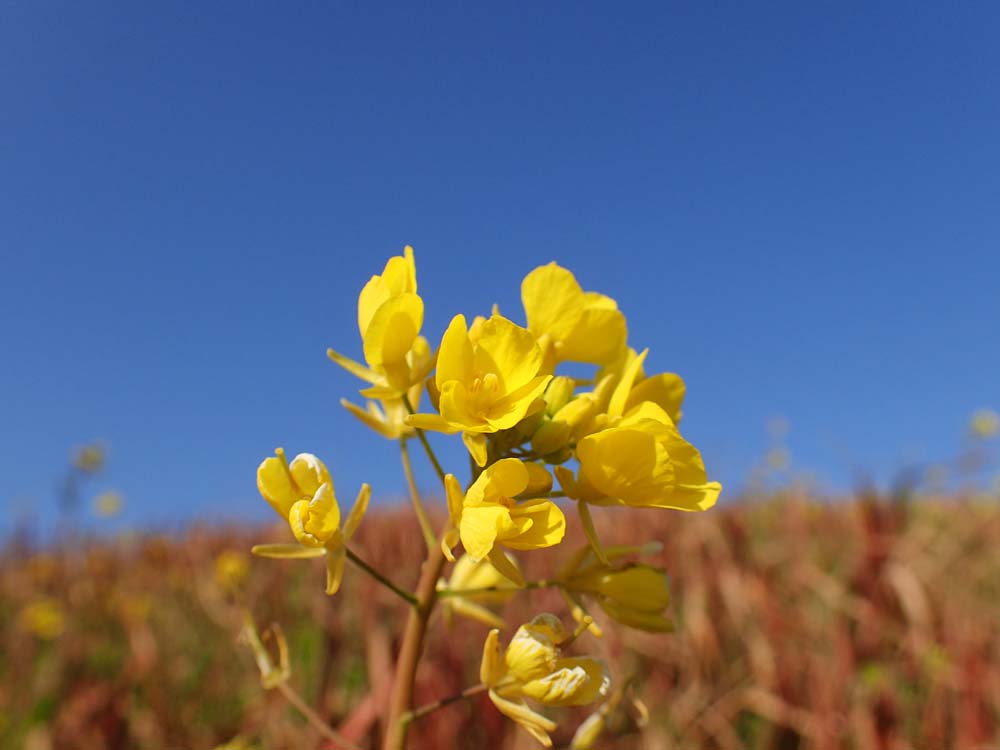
571 324
616 714
488 517
43 618
302 492
89 458
484 386
231 569
985 424
271 674
390 316
108 504
532 667
470 575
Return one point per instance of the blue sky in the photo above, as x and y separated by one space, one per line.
794 203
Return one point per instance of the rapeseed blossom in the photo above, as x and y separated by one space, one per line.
484 385
532 668
302 492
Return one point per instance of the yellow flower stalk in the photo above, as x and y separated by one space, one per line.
532 668
472 575
570 323
488 517
486 385
315 519
390 316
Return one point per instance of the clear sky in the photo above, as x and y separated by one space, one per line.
797 205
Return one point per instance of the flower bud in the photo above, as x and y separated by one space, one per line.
558 394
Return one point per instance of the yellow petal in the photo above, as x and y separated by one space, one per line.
507 478
455 354
534 723
458 409
598 338
455 497
275 485
539 479
309 473
575 682
432 422
620 395
334 569
355 368
512 407
491 669
314 522
547 528
509 351
473 611
370 420
392 330
480 526
506 567
475 442
286 551
666 390
357 511
553 301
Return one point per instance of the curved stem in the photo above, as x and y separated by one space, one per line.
314 718
423 440
411 649
418 506
405 595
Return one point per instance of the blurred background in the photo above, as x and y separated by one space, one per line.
794 205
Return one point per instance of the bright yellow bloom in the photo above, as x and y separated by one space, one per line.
487 517
43 618
472 575
641 461
570 323
314 518
484 386
532 667
390 316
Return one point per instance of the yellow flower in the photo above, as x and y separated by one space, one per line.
641 461
571 324
108 503
390 316
488 517
532 667
472 575
985 424
89 458
484 386
314 519
231 568
634 595
43 618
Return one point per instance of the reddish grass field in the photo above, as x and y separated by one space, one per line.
860 624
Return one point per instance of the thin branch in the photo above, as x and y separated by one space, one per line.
418 506
423 440
405 595
427 708
314 718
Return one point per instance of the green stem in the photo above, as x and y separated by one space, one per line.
418 506
543 584
314 718
423 440
405 595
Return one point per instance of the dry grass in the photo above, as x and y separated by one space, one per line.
799 625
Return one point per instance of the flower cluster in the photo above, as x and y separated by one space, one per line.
610 439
